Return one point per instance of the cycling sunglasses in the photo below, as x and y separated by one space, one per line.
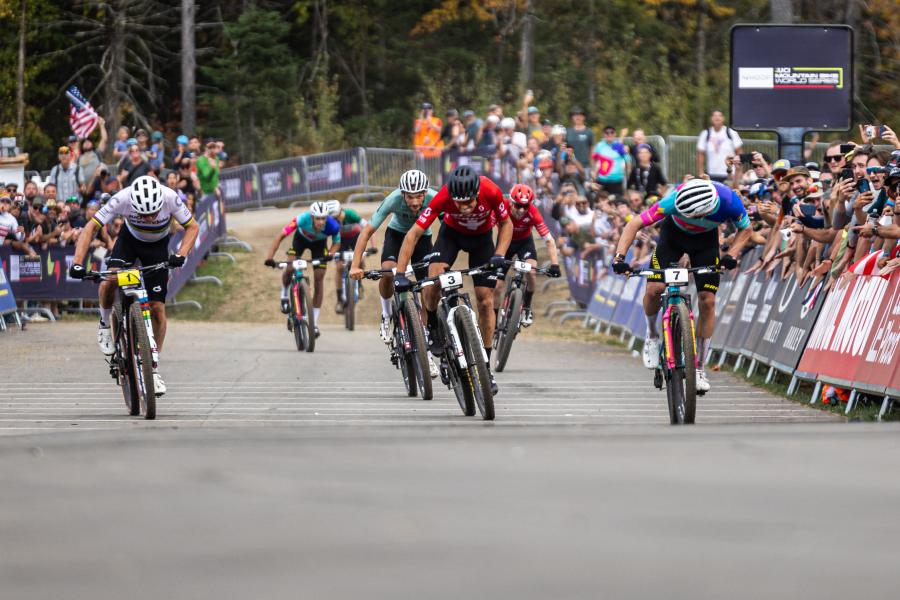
833 157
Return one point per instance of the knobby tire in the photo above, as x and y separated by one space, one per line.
123 360
510 329
419 355
306 323
459 379
350 304
477 370
142 361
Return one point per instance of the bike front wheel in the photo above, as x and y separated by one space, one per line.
350 287
142 361
304 322
419 353
513 312
681 388
122 357
477 370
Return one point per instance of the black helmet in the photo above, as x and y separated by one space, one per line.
463 183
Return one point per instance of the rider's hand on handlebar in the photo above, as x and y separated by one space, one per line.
497 262
402 283
176 260
356 273
77 271
553 271
620 267
728 262
270 262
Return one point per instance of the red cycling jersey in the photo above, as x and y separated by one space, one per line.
530 219
489 210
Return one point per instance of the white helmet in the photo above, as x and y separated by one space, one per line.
333 207
697 198
508 123
146 195
318 209
413 182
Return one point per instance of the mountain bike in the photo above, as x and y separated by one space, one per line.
350 288
509 316
464 363
677 354
409 350
300 314
134 354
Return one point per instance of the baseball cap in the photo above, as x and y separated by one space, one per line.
73 138
140 132
782 164
576 110
37 201
508 123
157 135
73 200
798 171
426 105
182 139
558 130
131 142
812 166
468 113
63 150
12 184
894 173
533 110
452 112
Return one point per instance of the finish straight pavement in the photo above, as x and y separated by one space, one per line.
232 375
278 474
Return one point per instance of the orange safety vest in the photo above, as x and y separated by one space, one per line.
427 140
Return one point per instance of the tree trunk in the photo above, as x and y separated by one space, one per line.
188 66
116 72
20 79
700 59
782 11
526 54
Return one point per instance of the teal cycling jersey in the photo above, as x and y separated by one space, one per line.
730 209
404 218
303 225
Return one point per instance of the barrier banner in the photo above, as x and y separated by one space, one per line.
210 216
629 311
334 171
502 171
729 315
770 286
582 278
7 300
240 187
855 340
280 179
606 296
47 276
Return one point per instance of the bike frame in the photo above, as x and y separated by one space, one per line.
673 296
450 300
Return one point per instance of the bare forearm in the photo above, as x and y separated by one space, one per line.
84 241
628 235
361 242
275 244
504 237
409 245
190 236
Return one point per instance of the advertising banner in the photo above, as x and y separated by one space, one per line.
606 297
210 216
281 180
791 76
855 340
629 310
7 300
334 171
240 186
730 311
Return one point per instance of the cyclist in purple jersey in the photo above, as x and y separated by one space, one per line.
690 217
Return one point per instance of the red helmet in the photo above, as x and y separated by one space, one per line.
521 194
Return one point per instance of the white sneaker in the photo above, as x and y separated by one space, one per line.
702 382
527 318
385 330
159 386
38 318
651 353
433 367
104 340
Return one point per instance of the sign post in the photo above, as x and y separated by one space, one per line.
791 79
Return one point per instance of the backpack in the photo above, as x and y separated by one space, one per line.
54 174
728 131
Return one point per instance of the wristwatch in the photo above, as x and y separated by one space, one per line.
875 229
618 257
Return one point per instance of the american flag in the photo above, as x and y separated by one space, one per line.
82 116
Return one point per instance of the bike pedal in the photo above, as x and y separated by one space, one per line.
657 379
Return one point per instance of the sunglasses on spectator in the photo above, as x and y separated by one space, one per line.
833 157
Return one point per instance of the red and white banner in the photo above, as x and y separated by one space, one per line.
857 335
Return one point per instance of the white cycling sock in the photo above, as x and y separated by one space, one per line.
652 331
386 308
105 313
702 349
315 317
284 292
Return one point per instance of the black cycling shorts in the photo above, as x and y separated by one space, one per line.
393 241
701 248
348 243
479 247
522 249
129 250
317 249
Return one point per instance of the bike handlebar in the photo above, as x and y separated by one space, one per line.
103 275
510 263
697 270
377 273
314 262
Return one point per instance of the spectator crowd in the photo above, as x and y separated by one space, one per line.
52 211
811 219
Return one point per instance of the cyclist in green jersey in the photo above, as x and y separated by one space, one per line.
351 225
403 206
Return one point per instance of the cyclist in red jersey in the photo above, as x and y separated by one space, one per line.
525 216
472 205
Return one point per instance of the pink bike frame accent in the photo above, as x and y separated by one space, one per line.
667 335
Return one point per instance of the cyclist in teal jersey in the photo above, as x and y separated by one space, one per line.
311 230
690 216
351 225
403 206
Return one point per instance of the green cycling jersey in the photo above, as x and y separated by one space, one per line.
404 218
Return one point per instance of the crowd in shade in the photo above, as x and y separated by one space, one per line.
811 219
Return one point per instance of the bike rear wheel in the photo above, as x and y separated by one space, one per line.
477 369
305 318
123 360
404 356
459 379
682 385
513 312
142 361
419 354
351 287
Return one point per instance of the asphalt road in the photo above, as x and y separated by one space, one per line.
271 473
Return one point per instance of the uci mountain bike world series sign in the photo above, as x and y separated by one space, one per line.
791 76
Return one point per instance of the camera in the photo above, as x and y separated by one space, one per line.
845 148
874 131
846 172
